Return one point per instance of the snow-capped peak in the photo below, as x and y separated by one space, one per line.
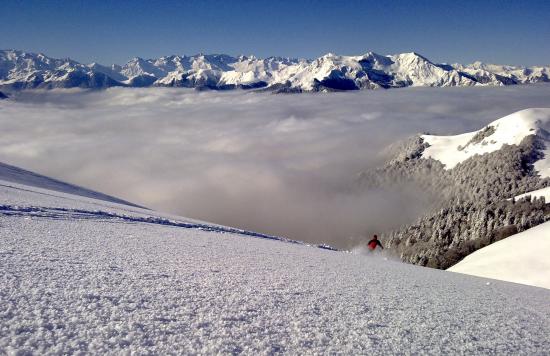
509 130
21 70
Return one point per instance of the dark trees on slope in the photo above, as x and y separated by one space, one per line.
475 210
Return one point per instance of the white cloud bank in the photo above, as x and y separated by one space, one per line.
280 164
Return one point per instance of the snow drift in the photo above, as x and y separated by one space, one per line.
522 258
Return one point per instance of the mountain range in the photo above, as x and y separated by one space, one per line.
21 70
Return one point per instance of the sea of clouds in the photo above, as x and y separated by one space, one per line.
279 164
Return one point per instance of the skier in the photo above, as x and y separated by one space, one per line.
373 243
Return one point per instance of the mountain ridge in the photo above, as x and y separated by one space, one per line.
25 70
475 177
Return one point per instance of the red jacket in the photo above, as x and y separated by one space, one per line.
373 243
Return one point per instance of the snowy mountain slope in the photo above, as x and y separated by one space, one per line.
113 72
505 74
509 130
17 175
21 70
522 258
472 178
52 199
80 281
419 71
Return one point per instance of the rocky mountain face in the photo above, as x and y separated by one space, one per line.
20 70
476 191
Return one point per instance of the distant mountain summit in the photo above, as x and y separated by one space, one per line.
20 70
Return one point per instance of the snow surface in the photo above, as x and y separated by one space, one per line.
18 175
78 274
509 130
521 258
540 193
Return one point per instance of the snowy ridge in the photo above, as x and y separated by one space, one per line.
505 74
473 176
22 180
65 213
21 70
77 281
521 258
509 130
22 176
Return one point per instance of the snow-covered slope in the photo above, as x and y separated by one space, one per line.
539 193
21 70
17 175
509 130
504 74
472 178
85 275
522 258
72 199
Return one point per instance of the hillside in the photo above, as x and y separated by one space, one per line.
473 176
21 176
522 258
86 275
21 70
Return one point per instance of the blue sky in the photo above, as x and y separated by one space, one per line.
511 32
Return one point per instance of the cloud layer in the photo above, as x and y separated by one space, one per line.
280 164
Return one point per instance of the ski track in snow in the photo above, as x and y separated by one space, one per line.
73 281
78 214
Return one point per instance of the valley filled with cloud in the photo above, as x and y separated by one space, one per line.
279 164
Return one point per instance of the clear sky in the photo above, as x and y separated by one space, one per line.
500 31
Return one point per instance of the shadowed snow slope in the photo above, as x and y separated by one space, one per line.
522 258
78 274
509 130
18 175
